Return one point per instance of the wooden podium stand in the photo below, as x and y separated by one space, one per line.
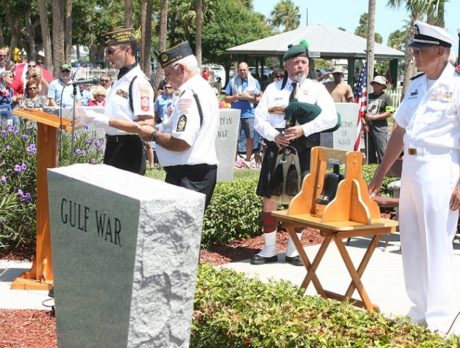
351 213
41 276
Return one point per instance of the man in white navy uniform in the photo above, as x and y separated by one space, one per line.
428 130
271 125
186 137
129 101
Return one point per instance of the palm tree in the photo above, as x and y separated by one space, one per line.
58 33
163 34
198 28
417 10
285 14
128 20
44 24
370 41
146 41
68 31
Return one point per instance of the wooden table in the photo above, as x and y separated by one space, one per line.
352 213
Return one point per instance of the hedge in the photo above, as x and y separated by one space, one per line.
231 310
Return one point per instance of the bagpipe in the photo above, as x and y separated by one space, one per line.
285 179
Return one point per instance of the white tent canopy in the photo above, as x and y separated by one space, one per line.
324 42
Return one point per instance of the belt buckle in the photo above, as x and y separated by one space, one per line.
411 151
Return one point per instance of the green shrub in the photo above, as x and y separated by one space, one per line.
18 177
231 310
368 173
234 213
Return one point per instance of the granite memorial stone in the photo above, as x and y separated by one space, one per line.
125 255
227 138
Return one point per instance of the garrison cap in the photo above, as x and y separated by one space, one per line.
65 67
119 35
430 35
295 51
174 54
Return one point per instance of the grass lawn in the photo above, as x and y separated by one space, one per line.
238 174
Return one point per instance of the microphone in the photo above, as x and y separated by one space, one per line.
92 81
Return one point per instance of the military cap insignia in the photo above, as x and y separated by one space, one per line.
174 54
181 123
120 35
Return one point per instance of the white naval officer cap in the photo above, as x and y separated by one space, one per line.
430 35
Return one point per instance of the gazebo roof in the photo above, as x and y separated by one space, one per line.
324 42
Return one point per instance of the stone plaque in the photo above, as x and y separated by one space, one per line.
227 138
125 256
345 137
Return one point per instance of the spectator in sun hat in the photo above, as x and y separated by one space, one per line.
60 91
428 131
340 91
379 109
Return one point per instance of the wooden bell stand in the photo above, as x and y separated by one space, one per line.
41 276
351 213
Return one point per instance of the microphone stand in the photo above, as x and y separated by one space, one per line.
72 152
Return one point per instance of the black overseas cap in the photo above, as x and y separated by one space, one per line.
295 51
174 54
119 35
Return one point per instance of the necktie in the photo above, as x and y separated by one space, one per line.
293 92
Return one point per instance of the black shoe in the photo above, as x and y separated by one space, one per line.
295 260
261 260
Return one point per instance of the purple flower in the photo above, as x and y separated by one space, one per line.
3 179
23 197
23 167
17 168
13 129
7 148
4 133
31 149
25 136
92 161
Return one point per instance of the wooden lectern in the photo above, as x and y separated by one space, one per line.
41 276
351 213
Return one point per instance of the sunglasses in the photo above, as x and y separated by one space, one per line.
99 95
101 80
32 65
35 75
31 88
279 76
169 87
109 51
3 55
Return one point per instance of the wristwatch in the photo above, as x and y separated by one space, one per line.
153 136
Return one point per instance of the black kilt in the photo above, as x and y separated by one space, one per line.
303 146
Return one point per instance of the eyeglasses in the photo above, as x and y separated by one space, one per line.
420 50
169 87
279 76
31 65
31 88
3 55
109 51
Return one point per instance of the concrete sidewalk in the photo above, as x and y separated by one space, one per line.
20 299
383 278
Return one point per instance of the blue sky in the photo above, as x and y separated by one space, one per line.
339 13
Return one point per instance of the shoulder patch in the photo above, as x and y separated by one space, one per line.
417 76
181 123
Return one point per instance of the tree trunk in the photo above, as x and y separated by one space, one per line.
68 32
198 28
58 34
45 34
32 51
128 13
146 41
370 42
408 61
163 33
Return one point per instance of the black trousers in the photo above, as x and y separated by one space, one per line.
196 177
125 152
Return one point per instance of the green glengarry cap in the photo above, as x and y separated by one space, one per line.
174 54
295 51
119 35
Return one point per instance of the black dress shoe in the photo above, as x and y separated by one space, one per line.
261 260
295 260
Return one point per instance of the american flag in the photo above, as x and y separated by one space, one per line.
360 96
